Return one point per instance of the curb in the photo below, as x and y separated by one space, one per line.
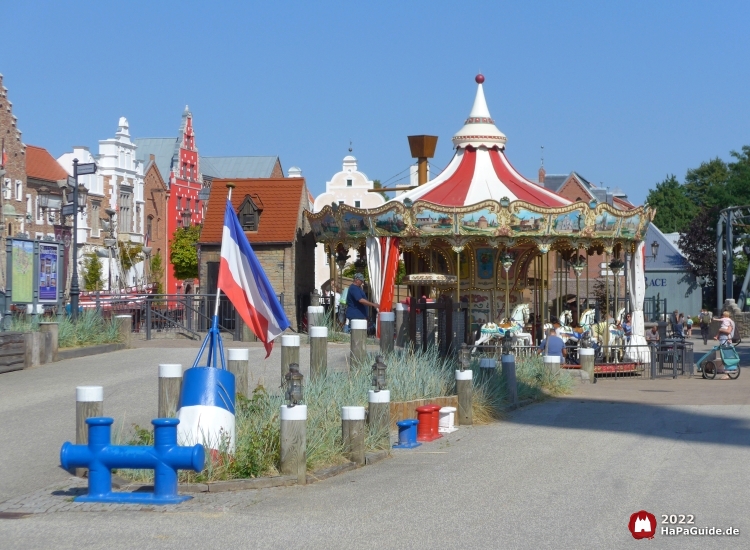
75 353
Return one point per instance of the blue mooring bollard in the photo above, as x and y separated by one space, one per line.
407 434
100 457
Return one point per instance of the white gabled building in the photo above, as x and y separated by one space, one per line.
350 187
117 185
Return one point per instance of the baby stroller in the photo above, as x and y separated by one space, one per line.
725 360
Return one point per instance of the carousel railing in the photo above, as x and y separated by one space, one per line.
440 323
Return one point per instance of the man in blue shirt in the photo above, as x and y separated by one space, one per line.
356 300
553 345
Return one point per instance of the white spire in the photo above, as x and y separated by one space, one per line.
479 129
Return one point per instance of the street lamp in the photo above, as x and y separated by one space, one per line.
79 201
378 374
293 385
578 263
186 216
654 249
616 266
110 243
507 261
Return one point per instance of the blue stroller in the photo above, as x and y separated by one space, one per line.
725 360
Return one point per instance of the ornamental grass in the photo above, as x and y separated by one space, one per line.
418 375
90 329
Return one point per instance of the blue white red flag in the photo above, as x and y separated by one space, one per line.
243 280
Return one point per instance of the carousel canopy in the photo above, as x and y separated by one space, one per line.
480 171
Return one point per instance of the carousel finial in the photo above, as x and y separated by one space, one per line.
479 79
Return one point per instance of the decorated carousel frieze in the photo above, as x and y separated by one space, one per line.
481 232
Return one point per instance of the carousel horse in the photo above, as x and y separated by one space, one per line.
519 318
490 332
610 338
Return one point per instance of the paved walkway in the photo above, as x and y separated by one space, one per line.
562 474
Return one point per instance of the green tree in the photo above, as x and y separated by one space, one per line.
130 254
377 185
184 253
92 272
701 182
674 210
157 271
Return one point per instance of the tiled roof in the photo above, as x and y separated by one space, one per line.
282 200
238 167
163 149
43 166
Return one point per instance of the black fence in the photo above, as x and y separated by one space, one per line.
442 323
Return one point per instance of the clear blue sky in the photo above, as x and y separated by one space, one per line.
624 93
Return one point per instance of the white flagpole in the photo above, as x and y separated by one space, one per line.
230 186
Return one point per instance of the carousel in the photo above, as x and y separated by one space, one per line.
482 235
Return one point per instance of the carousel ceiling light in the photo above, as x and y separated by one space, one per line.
592 203
505 202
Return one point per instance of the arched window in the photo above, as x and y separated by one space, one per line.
149 227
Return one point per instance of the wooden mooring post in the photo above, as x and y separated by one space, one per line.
89 404
379 413
318 351
238 364
387 329
170 384
358 341
465 390
508 362
353 433
586 356
294 442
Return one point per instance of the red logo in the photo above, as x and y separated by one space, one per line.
642 525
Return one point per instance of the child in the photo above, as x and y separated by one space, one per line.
690 327
726 330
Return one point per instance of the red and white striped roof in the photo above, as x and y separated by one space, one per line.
480 171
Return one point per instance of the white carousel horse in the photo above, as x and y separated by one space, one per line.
610 337
519 318
490 332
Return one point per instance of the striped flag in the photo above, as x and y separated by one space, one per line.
243 280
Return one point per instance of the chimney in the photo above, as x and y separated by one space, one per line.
151 158
542 174
422 148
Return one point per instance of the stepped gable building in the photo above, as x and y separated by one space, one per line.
271 213
188 178
13 165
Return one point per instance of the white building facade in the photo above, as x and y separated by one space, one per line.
117 185
351 187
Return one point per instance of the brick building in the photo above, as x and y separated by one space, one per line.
271 212
156 206
576 188
13 166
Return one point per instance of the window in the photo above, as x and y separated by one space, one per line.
38 208
356 204
184 169
179 203
95 213
187 204
28 204
197 206
348 183
150 227
7 190
341 202
19 190
125 223
249 214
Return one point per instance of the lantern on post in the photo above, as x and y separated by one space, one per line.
507 261
465 361
378 374
507 343
616 266
293 385
578 263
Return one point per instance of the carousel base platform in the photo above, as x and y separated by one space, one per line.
608 368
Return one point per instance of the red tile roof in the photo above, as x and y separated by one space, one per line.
43 166
281 200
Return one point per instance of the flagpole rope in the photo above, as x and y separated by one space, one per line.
218 290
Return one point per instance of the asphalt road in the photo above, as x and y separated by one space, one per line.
567 473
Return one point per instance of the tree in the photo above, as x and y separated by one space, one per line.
377 185
184 253
674 209
130 254
92 272
701 182
698 243
157 271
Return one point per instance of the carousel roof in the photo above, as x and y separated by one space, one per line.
479 170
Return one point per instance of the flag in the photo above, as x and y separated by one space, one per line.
243 280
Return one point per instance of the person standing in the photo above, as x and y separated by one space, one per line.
689 324
726 331
705 322
553 345
356 300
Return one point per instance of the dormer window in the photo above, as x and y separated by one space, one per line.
348 183
249 213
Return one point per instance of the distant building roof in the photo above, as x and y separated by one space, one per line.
238 167
669 257
163 149
282 200
41 165
554 182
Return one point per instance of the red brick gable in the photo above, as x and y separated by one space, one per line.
573 190
282 200
41 165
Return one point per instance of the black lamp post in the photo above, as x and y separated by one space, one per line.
79 203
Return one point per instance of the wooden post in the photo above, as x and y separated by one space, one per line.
318 351
465 390
315 316
586 356
353 433
552 363
358 341
238 360
53 330
402 326
379 414
125 324
387 328
509 374
89 404
294 442
289 353
170 384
